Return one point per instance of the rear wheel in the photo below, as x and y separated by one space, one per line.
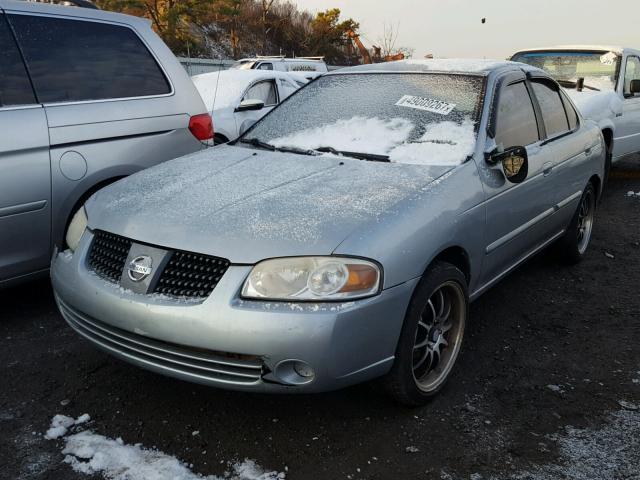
431 336
573 246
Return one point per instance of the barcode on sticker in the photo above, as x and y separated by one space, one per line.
428 104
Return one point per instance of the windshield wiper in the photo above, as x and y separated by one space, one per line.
359 155
572 84
256 142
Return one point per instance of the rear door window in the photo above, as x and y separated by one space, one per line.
572 116
516 121
553 112
75 60
15 87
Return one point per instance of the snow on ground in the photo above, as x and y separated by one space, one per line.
595 105
90 453
631 193
611 451
443 143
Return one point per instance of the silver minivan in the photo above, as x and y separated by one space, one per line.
86 97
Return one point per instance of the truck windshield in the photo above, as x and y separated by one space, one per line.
418 118
598 68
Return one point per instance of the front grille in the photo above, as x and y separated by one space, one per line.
186 274
191 275
108 254
196 364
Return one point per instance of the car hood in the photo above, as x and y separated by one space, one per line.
596 105
246 205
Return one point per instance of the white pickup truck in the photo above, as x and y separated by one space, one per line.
604 83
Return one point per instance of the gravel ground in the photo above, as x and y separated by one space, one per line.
547 387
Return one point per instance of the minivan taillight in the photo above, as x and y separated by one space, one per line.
201 126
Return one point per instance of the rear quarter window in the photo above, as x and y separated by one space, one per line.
553 112
78 60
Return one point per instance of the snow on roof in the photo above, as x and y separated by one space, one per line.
605 48
459 65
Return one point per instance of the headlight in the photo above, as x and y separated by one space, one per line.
76 229
312 279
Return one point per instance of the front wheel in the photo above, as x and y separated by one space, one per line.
431 336
573 246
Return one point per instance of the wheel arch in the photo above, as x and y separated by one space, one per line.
458 257
82 199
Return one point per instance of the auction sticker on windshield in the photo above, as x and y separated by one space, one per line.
428 104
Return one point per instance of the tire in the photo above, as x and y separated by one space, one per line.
607 169
423 362
575 242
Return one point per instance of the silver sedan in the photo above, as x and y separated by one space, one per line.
342 237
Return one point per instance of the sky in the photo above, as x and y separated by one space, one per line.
453 28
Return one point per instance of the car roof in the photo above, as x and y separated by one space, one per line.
605 48
78 12
452 65
243 76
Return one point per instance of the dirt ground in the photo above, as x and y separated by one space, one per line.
548 387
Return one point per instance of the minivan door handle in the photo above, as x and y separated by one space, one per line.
547 168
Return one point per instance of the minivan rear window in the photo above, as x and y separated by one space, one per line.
77 60
15 88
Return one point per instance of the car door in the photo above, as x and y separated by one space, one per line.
263 90
25 181
569 150
628 125
517 215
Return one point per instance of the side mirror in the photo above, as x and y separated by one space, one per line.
250 105
634 88
514 162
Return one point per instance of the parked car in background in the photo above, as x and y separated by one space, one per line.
236 99
309 67
86 97
343 236
604 82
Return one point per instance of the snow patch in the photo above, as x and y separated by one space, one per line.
443 143
631 193
89 453
596 106
457 64
609 451
357 134
60 425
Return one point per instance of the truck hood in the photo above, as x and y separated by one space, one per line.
247 205
596 106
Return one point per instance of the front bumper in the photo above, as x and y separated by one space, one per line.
228 342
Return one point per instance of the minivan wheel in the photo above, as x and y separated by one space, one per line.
575 242
431 336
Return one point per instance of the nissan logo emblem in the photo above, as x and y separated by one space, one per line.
140 268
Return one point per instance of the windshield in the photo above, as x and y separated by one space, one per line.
408 117
243 65
598 68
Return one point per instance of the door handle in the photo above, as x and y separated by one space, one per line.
547 168
587 151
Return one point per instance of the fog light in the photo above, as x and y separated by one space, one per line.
303 369
294 372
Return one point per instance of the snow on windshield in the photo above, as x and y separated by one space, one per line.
418 118
357 134
442 143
